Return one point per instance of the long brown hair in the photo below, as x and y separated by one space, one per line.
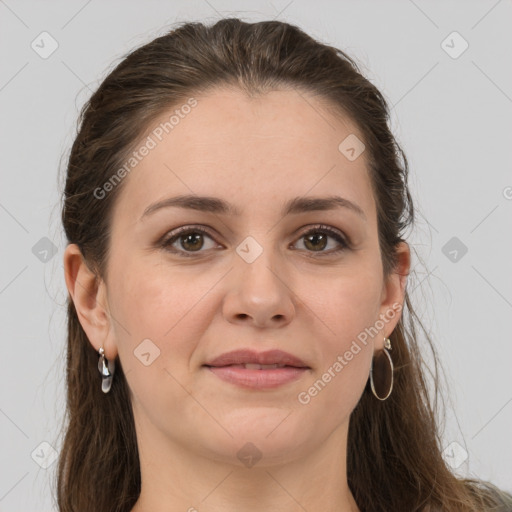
394 460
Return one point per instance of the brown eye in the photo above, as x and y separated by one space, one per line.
192 241
187 240
317 239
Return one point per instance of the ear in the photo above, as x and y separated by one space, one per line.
89 296
393 293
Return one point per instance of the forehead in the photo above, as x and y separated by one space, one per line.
250 151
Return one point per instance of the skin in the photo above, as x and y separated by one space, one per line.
255 153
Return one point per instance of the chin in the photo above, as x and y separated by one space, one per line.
268 437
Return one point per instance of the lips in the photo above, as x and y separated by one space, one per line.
255 366
252 360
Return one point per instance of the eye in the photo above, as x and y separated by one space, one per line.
189 238
316 240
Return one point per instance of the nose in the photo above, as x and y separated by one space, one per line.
259 295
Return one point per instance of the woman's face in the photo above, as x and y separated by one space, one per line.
259 279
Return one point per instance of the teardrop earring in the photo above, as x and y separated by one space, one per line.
106 369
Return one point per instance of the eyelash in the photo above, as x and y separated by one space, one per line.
167 242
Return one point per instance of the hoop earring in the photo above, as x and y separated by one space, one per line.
381 373
106 369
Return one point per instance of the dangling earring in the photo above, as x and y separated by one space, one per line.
106 369
381 372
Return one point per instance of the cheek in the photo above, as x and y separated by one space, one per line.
155 298
158 320
344 306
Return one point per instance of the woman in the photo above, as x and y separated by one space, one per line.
235 205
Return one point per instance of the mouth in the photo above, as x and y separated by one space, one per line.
255 370
255 366
249 377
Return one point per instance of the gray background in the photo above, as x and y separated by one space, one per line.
452 116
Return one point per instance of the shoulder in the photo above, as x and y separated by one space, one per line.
503 500
499 500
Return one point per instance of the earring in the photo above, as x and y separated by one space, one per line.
381 372
106 369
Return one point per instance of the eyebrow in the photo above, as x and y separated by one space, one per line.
219 206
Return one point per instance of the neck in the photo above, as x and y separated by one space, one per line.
177 478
